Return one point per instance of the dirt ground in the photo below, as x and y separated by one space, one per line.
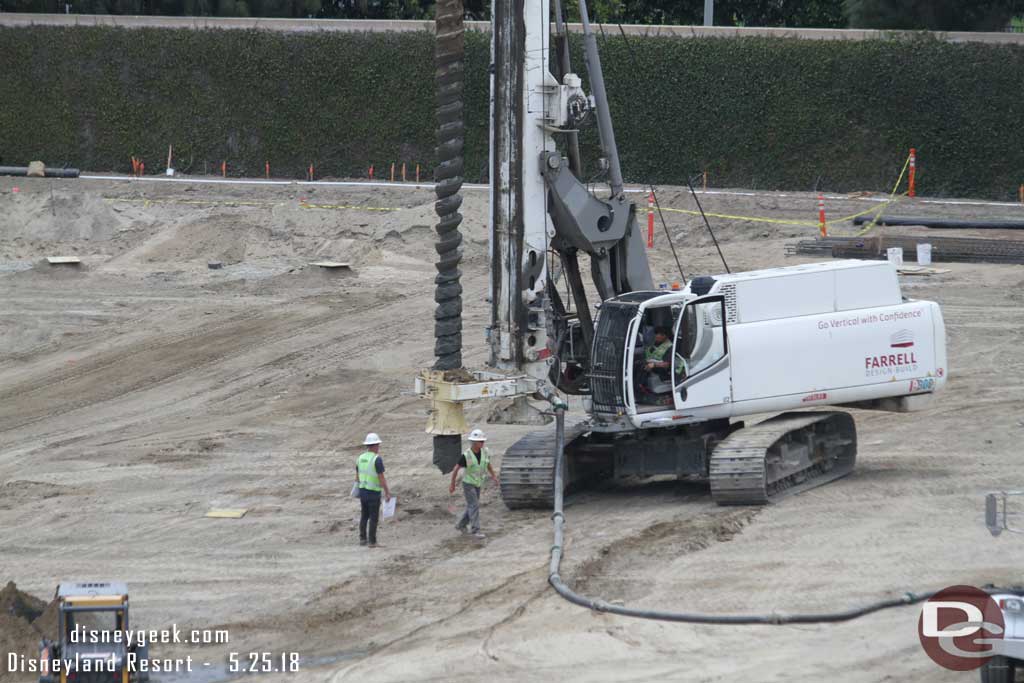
144 389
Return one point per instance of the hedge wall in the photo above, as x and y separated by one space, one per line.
754 112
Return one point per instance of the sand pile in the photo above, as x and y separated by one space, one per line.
24 621
67 215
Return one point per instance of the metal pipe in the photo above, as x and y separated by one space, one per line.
48 172
941 223
572 139
604 117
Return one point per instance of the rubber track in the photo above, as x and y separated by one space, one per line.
527 473
738 470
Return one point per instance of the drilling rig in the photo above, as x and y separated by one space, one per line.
741 344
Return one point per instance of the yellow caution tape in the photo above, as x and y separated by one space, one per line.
877 210
870 226
206 202
240 202
349 206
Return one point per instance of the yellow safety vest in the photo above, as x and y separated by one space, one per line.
656 352
368 478
476 468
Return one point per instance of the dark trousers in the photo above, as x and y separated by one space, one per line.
370 501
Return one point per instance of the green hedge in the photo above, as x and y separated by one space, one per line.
754 112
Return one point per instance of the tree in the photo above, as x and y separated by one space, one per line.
788 13
932 15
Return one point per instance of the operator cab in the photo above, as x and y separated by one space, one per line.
697 344
673 354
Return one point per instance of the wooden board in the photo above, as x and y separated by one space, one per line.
227 513
921 270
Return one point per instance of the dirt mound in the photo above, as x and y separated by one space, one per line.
24 621
19 604
68 213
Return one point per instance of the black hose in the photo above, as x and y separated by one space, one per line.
449 77
941 223
598 605
48 172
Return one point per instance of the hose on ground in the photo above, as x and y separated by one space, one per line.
449 77
598 605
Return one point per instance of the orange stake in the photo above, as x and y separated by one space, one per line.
267 170
821 216
311 172
911 190
142 168
650 220
392 171
224 169
371 171
418 174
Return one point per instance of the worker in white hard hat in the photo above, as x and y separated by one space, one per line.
476 461
371 481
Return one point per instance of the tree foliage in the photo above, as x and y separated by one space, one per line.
933 15
793 13
765 113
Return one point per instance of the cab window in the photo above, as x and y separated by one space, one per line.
701 338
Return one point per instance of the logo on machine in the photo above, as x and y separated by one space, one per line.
961 628
890 364
903 339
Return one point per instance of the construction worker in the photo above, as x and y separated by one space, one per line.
476 461
370 480
656 356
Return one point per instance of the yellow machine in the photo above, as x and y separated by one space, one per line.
92 643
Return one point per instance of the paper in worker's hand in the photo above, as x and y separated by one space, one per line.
355 490
387 507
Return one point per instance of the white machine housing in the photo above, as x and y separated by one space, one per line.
1012 643
800 336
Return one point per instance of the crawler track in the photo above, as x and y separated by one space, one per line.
527 474
787 454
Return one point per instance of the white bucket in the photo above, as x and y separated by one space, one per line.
170 171
895 256
924 254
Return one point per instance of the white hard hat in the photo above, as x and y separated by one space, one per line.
371 439
477 435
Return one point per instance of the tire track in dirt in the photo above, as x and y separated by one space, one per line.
234 338
608 574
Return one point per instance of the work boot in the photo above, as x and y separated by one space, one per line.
362 541
461 527
373 544
479 534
